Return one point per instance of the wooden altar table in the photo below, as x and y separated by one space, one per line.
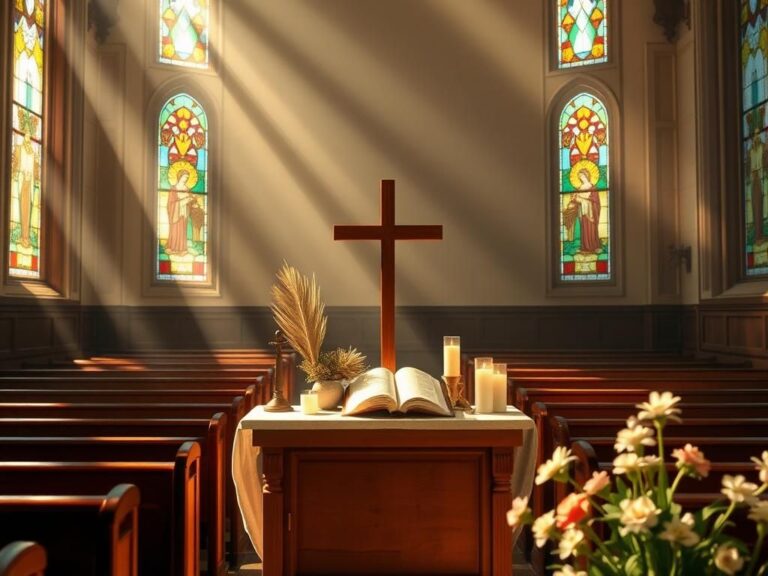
383 495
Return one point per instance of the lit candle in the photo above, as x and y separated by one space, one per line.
499 387
483 385
451 356
309 402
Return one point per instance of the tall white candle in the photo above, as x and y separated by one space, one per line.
499 387
451 356
483 385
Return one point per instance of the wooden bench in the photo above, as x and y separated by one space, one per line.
169 508
23 559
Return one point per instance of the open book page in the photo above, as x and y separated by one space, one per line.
372 390
418 391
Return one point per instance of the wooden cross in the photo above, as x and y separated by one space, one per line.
387 232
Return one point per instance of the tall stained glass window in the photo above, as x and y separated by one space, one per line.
182 197
585 239
184 32
582 32
754 67
28 20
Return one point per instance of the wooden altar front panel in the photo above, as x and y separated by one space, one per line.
387 501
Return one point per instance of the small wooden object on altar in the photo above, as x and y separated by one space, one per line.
278 402
456 392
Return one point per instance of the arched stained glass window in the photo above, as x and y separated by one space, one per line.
585 228
184 32
182 197
754 68
582 32
28 21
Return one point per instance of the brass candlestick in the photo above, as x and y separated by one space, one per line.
456 392
278 403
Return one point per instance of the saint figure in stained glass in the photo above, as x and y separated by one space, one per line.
754 75
584 194
582 32
27 89
182 211
184 32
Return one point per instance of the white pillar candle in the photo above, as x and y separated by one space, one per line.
309 403
499 387
451 356
483 385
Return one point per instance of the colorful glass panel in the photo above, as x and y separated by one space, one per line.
182 180
26 138
754 71
585 234
582 32
184 32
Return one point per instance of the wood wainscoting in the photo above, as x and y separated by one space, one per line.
734 329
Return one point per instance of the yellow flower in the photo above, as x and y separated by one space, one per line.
727 559
759 512
638 515
543 527
737 489
627 463
633 436
597 483
555 466
518 512
570 542
680 531
660 407
762 466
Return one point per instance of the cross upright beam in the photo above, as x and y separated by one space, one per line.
387 233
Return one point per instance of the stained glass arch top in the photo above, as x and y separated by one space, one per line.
182 192
584 191
582 32
184 29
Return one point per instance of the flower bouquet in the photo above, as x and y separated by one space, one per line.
629 523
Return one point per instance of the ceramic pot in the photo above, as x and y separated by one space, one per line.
329 392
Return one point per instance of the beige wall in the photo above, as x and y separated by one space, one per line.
316 101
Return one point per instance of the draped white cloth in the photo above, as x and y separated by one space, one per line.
246 463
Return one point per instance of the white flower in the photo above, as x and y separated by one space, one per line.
626 463
518 512
649 461
597 483
728 560
762 466
680 531
737 489
569 542
638 515
568 570
660 407
759 512
634 436
554 467
543 527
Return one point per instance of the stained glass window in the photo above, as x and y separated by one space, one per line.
184 32
754 63
582 32
585 238
182 197
27 87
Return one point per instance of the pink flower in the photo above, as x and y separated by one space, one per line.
597 483
692 458
572 509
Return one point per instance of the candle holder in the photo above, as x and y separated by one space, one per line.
456 392
278 402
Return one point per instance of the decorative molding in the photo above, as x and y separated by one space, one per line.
669 14
102 15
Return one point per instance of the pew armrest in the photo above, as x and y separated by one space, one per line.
22 559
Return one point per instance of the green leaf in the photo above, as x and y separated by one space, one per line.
633 566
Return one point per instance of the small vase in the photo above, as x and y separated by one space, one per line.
329 392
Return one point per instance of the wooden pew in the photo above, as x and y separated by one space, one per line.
88 534
169 508
213 472
23 559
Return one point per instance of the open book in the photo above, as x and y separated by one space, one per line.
407 390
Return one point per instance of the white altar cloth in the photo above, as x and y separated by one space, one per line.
246 463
